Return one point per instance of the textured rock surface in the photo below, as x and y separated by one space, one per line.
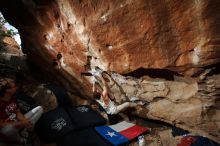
8 45
181 102
11 57
141 34
67 38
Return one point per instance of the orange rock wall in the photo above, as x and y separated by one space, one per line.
119 36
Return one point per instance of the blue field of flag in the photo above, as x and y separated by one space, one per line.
111 135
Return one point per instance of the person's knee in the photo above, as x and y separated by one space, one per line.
126 104
132 104
38 109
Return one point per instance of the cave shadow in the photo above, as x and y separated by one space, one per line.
153 73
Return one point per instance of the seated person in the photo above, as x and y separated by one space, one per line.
103 98
12 121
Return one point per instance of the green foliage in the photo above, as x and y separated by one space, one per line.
3 32
2 20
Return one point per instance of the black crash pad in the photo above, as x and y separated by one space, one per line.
86 137
53 124
84 116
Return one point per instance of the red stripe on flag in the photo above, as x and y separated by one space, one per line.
133 131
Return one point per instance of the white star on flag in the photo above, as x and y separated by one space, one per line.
111 134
